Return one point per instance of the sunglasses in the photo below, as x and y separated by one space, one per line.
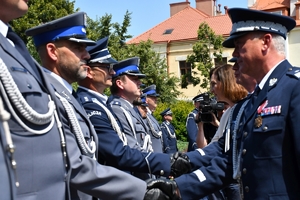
109 67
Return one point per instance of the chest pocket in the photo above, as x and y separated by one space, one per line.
268 137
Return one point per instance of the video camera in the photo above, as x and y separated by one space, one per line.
207 107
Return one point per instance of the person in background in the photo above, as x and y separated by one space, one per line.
61 45
153 124
224 87
168 132
248 82
264 127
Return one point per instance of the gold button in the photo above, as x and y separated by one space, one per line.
246 189
244 151
265 128
162 172
245 134
244 170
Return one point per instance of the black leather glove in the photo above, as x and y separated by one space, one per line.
180 164
155 194
162 189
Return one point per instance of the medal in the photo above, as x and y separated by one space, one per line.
258 121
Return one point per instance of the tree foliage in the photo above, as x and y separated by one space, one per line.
151 64
41 12
208 44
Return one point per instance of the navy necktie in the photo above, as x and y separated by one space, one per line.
252 99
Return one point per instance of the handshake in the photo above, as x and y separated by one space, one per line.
165 189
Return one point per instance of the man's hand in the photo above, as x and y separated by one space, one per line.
162 189
180 164
155 194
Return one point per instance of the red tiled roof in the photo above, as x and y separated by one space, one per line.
185 25
270 4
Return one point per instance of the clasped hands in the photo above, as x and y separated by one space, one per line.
166 189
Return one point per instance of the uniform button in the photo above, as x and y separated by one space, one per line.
244 170
244 151
162 172
246 189
290 69
29 86
245 134
265 128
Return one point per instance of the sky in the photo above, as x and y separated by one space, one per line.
145 13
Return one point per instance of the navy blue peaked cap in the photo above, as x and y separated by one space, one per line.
71 27
199 97
248 20
99 53
166 112
232 60
150 91
143 100
129 66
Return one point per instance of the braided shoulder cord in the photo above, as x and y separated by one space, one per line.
86 150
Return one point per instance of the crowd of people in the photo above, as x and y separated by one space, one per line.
58 143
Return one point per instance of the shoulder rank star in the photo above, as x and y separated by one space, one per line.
272 81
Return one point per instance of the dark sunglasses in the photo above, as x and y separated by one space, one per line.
109 67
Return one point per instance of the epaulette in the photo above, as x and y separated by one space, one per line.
118 103
85 99
294 71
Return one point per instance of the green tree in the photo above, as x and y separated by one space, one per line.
41 12
151 63
201 59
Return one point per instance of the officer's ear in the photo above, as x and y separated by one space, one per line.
89 72
51 50
120 84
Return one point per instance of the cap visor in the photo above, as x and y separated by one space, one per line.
86 41
153 95
138 75
229 42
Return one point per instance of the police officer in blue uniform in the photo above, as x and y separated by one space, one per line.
61 45
168 132
125 89
113 146
262 151
35 152
155 131
191 125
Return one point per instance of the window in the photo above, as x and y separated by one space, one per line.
185 69
168 31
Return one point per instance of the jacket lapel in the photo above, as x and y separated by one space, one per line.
271 83
9 49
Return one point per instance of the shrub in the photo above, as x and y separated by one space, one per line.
180 110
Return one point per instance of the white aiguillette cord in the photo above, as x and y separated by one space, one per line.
113 122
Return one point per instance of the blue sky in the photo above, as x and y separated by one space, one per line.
145 13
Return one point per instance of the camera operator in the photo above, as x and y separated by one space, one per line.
225 89
207 119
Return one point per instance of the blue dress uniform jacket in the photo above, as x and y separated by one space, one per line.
85 173
192 130
40 167
155 132
269 150
111 149
169 137
133 129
